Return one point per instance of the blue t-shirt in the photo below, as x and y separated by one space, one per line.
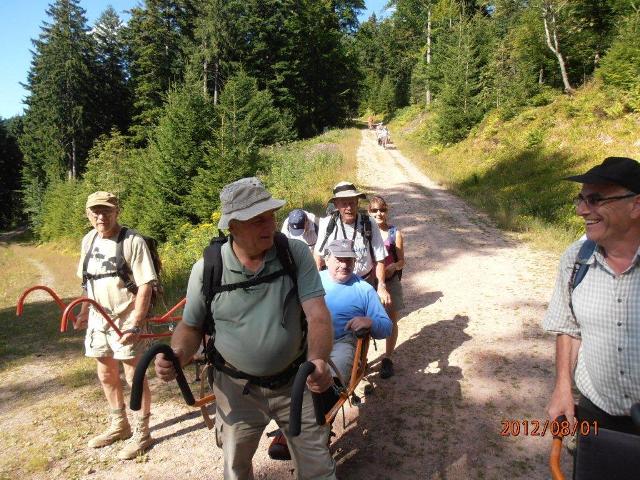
355 298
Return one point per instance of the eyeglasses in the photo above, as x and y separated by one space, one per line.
105 213
376 210
595 200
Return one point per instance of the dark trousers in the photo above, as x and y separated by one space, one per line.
588 412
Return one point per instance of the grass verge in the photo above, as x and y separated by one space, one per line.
513 168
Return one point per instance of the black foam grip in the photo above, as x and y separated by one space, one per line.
141 369
297 393
635 414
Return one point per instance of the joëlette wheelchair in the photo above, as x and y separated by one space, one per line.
604 454
168 319
326 405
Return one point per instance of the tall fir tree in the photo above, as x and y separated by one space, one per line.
10 166
246 120
159 36
114 93
59 120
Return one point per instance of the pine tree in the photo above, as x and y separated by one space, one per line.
165 169
10 165
114 94
158 37
246 120
458 103
58 125
621 66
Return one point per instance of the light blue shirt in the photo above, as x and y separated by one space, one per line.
355 298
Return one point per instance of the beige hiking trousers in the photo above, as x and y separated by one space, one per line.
242 418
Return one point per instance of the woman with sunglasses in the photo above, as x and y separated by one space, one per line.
394 262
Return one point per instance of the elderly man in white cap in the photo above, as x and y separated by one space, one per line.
350 225
259 336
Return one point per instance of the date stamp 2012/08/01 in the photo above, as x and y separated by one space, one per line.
539 428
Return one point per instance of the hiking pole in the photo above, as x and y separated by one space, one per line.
297 394
141 369
56 298
556 451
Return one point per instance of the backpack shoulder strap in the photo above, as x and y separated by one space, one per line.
122 267
283 252
85 262
212 277
581 266
367 234
331 225
392 234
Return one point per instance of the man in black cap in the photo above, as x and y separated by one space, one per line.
595 307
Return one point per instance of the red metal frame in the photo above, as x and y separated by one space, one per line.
67 313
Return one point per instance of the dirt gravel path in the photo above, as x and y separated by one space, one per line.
470 354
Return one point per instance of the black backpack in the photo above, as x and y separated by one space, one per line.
212 273
123 270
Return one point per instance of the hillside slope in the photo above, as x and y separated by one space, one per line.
512 168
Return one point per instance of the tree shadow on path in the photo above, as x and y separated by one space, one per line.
402 429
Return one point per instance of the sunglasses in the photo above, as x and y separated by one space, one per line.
376 210
595 199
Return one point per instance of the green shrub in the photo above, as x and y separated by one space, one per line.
63 212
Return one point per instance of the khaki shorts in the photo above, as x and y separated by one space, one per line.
394 287
102 341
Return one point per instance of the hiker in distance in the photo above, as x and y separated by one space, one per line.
259 330
125 295
348 223
595 307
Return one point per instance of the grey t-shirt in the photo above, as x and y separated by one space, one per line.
255 331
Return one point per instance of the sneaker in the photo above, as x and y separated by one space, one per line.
386 368
279 450
118 430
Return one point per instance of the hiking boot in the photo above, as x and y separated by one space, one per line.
279 450
139 442
386 368
118 430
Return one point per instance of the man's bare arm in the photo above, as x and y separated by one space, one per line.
319 342
561 402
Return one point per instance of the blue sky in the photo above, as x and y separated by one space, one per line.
20 21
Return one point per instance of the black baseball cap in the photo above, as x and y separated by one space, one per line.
621 171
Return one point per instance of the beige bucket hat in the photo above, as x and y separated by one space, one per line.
245 199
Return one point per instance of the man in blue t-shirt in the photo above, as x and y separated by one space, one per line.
353 304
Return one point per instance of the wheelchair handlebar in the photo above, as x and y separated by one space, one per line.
297 395
141 369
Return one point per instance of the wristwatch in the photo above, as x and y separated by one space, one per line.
135 330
